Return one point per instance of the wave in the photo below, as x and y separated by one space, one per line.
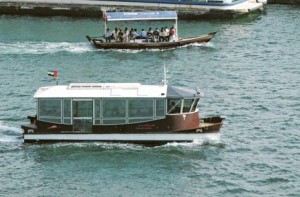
9 133
206 139
43 47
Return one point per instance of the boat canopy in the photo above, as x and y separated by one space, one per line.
182 92
148 15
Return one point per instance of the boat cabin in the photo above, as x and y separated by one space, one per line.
85 104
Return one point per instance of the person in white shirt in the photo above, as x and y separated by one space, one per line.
107 35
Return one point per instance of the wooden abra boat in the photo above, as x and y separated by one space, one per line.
141 43
118 112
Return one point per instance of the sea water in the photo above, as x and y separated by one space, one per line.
250 73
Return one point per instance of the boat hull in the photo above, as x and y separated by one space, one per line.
143 135
100 44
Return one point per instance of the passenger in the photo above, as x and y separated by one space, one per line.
135 34
126 35
115 34
120 35
150 35
107 35
143 34
155 35
162 35
167 37
131 36
172 34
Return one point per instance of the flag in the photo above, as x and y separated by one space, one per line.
53 73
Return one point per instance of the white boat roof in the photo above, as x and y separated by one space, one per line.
102 90
146 15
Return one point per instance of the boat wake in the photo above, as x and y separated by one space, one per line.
43 47
10 133
206 139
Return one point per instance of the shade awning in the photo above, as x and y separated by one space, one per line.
149 15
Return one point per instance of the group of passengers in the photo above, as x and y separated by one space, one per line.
162 35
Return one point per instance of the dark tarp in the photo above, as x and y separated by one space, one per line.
182 92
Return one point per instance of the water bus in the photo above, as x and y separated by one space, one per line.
118 112
145 43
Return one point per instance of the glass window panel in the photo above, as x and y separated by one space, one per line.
160 107
97 121
140 108
54 120
114 108
67 107
174 106
67 121
139 120
97 108
187 104
82 125
114 121
195 105
82 109
50 107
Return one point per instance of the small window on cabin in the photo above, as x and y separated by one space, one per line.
67 108
187 104
174 106
97 108
140 108
114 108
160 107
195 105
50 107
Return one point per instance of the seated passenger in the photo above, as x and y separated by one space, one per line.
115 34
143 34
150 35
126 35
107 35
135 34
120 36
172 34
155 35
162 35
167 35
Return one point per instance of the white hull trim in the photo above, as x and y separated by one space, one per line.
114 137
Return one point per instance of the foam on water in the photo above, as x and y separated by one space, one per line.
9 133
214 138
43 47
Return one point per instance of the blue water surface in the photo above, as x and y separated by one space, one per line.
249 73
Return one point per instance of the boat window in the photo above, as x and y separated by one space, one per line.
174 106
139 120
82 109
67 108
50 110
114 108
97 108
187 104
195 105
120 121
140 108
160 107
